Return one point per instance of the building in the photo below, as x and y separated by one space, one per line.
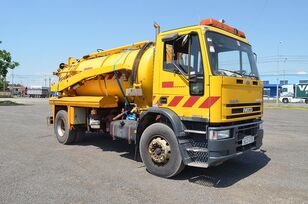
270 82
270 90
17 90
285 79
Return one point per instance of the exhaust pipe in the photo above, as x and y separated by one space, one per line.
157 29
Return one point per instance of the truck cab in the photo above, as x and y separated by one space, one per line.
294 93
207 76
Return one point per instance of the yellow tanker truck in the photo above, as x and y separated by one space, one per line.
193 97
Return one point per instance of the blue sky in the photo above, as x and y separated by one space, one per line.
42 33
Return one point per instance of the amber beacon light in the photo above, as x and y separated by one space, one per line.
221 25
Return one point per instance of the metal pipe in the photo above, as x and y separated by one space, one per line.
157 29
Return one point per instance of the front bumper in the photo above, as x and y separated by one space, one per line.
205 153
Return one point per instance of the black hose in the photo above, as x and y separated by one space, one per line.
137 61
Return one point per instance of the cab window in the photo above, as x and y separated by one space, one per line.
196 76
176 54
182 55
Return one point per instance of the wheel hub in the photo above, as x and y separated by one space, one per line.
159 150
61 128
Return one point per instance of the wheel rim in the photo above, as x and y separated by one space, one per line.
61 128
159 150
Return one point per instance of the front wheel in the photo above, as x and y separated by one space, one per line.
159 151
306 100
285 100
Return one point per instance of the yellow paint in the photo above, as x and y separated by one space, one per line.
87 82
70 116
86 101
102 65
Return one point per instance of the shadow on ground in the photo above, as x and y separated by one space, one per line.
228 173
221 176
106 143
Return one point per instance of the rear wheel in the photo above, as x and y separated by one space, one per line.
285 100
62 131
159 151
306 100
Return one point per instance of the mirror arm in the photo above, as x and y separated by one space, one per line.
189 57
256 57
179 69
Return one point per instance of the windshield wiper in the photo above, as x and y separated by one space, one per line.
234 72
251 75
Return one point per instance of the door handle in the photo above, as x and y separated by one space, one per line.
163 100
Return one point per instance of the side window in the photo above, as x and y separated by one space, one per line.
196 76
196 64
176 54
183 56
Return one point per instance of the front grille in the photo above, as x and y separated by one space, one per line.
241 110
243 115
243 104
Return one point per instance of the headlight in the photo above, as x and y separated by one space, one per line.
217 135
261 126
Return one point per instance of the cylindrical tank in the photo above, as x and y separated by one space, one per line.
105 83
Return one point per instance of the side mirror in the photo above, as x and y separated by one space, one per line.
192 77
185 39
256 57
170 37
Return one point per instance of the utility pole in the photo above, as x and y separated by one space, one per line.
49 81
45 81
12 83
284 70
277 87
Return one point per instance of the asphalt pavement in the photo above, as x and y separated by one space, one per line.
35 168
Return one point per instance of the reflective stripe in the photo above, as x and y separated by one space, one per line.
209 102
175 101
191 101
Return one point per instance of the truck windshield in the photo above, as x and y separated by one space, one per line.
230 57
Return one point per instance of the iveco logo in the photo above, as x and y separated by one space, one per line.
247 82
234 101
247 110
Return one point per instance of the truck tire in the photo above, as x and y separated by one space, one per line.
285 100
159 151
306 100
63 133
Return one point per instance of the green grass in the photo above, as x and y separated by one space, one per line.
5 96
9 103
280 106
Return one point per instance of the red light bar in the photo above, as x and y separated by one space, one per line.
218 24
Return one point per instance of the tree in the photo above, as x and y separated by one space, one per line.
5 64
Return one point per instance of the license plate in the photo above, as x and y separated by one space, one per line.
248 140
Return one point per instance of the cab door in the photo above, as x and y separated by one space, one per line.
181 85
